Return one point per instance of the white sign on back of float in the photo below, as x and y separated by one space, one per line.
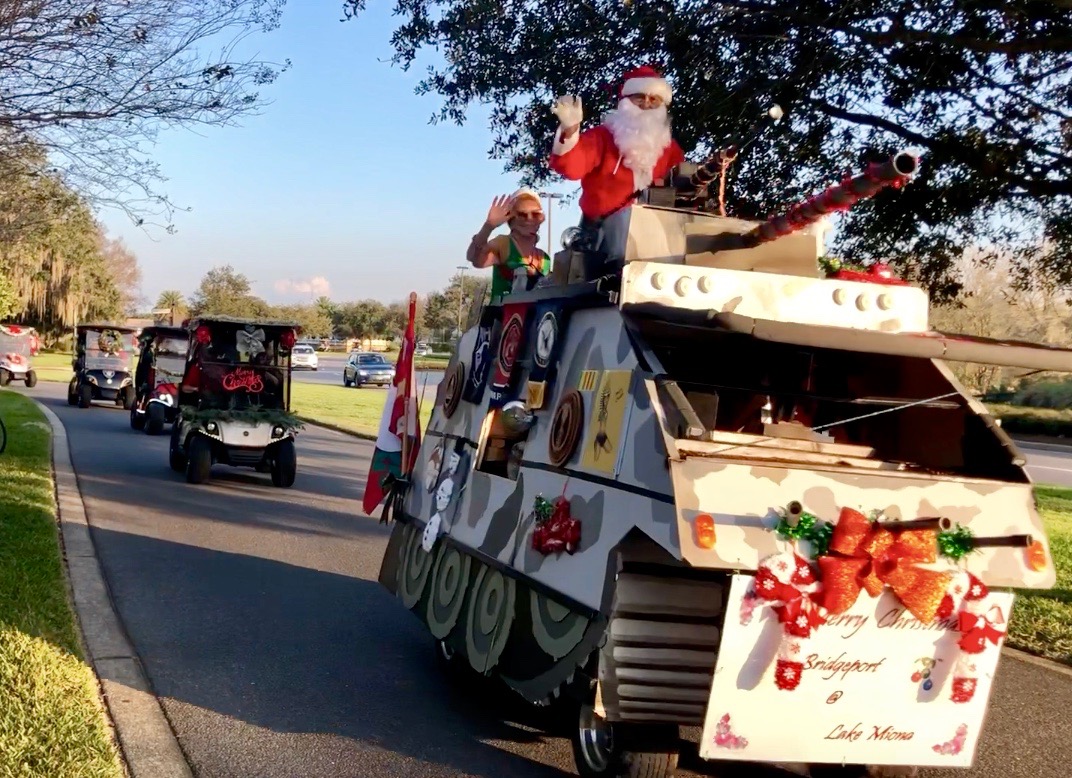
875 687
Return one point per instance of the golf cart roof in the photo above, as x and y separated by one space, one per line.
164 329
239 322
106 326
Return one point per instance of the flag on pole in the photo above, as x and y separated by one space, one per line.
399 412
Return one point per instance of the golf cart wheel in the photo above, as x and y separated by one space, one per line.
200 461
72 397
137 421
127 397
176 457
5 378
85 395
31 378
284 463
154 423
605 750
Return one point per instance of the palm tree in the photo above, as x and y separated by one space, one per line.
173 301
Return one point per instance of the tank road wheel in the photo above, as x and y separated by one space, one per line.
200 461
176 459
284 463
452 665
415 569
491 614
154 422
31 378
137 421
605 750
85 396
450 581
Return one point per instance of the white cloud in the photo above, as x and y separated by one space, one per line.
317 285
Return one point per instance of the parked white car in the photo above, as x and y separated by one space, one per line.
302 356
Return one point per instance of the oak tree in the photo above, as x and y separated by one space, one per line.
982 90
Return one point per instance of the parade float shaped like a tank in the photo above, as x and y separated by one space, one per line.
691 479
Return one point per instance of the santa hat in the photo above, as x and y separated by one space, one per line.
645 80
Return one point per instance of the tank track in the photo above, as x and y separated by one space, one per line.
496 621
662 641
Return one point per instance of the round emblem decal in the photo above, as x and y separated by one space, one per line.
566 427
510 344
546 335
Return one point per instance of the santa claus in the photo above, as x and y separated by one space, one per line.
628 152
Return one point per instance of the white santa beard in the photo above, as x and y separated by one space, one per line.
641 137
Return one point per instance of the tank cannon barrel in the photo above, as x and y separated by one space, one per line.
840 197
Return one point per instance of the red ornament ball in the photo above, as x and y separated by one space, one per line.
203 335
916 677
288 339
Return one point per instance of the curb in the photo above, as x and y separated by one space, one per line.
146 742
336 428
1040 661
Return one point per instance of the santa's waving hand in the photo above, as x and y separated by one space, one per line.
624 155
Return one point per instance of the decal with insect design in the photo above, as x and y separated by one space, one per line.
604 436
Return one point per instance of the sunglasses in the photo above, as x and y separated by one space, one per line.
535 215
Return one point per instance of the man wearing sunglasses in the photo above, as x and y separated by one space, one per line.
632 148
515 252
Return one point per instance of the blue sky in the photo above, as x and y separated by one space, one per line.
341 178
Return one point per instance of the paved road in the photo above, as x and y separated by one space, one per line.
276 654
1048 464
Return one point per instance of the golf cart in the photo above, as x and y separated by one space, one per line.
156 380
234 400
18 345
102 362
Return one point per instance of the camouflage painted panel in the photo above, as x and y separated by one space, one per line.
744 499
777 297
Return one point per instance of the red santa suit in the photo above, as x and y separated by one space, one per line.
592 157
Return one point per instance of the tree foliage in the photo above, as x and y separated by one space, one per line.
54 254
982 89
94 80
226 292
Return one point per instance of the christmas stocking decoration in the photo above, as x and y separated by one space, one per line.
786 582
966 598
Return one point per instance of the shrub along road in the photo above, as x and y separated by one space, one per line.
275 652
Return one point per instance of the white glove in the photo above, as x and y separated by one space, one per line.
568 110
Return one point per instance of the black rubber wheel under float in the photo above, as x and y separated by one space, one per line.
85 396
31 378
137 420
605 750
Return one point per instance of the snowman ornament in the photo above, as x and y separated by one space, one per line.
442 501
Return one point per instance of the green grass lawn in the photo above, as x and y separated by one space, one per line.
1042 620
51 366
356 410
52 722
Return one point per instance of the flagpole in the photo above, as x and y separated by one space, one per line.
409 382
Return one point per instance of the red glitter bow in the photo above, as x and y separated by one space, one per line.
866 555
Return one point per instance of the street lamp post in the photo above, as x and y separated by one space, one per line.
551 197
